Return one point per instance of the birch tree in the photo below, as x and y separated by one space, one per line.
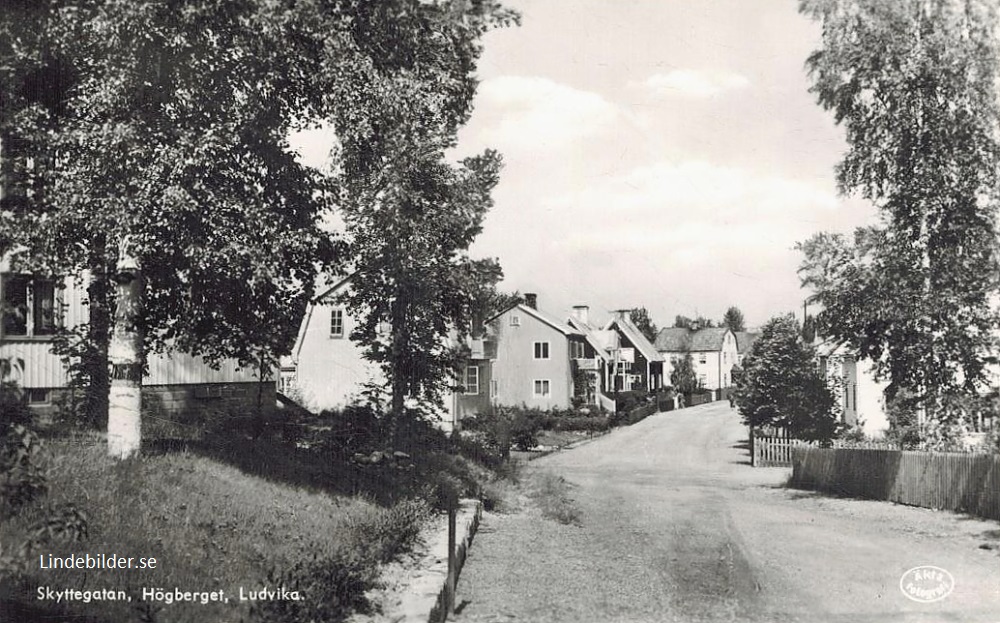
157 140
913 84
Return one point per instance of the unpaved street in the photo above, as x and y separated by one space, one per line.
676 526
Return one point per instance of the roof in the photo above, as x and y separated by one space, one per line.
744 340
634 335
541 316
591 334
680 340
673 340
829 348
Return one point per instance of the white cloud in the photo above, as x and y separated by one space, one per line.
694 211
534 112
693 83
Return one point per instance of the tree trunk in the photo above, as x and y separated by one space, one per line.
98 336
399 382
126 358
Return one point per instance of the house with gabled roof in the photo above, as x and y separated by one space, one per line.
713 351
328 370
860 397
638 365
533 356
600 351
35 309
744 341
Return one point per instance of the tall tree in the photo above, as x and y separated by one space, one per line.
410 214
780 385
913 84
641 319
156 139
683 377
733 320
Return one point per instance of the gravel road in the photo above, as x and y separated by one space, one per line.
676 526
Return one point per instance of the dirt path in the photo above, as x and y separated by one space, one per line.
677 527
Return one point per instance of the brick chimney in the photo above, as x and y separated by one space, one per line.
582 313
531 300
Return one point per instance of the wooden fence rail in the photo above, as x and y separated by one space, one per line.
962 482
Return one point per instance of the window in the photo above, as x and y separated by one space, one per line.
702 358
577 350
472 380
542 388
38 396
337 323
515 321
702 380
29 306
541 350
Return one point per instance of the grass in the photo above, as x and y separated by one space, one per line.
222 513
551 494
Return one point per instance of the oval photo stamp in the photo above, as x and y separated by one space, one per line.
927 584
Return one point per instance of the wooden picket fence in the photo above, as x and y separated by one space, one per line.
957 481
773 451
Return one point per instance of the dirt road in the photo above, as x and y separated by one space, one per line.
676 526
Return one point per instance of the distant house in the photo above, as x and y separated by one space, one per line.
33 309
638 365
713 351
534 355
328 370
744 341
860 397
601 350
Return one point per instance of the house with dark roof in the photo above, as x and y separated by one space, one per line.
638 365
713 351
744 341
534 355
600 351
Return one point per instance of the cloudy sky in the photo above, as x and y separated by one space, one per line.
658 153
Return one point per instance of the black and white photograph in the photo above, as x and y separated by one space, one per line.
499 311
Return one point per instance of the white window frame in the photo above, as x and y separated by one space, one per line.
544 384
335 313
472 385
546 350
515 320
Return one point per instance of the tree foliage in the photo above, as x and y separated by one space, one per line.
641 319
410 213
779 384
913 85
733 320
683 377
701 322
160 130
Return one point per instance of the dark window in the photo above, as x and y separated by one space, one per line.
541 350
29 306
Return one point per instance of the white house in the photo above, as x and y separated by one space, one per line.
714 352
33 309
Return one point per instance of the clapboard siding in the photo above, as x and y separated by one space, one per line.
41 369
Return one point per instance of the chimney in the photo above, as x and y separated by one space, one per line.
531 300
582 313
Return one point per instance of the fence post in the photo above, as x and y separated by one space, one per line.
753 449
452 571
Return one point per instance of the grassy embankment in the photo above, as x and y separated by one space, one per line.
219 513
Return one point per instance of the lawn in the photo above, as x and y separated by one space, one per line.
218 514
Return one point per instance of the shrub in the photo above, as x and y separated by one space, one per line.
626 401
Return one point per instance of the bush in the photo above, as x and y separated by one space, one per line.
626 401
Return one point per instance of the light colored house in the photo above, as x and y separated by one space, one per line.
34 309
638 365
859 395
328 370
714 352
534 355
